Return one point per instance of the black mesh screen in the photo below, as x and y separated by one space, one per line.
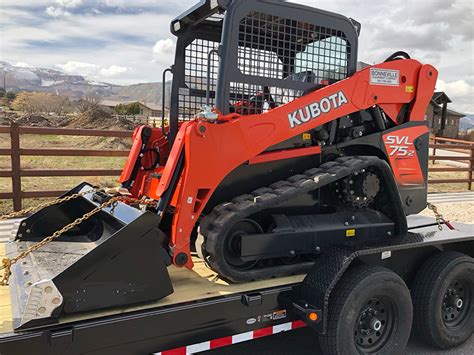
258 62
290 51
292 55
193 97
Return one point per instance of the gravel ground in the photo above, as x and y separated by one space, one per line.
454 212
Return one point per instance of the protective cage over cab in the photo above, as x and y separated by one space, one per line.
256 55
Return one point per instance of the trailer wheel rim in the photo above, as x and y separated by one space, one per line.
232 243
375 324
456 303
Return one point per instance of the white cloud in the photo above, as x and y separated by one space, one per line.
135 55
164 47
22 65
112 70
57 12
456 88
460 92
434 32
79 68
91 70
69 3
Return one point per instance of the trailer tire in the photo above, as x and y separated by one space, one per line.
444 282
370 311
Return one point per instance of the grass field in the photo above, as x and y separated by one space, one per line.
446 187
65 183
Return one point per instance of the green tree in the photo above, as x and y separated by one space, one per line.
133 108
2 92
10 95
127 109
120 109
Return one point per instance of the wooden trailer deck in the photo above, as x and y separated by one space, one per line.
5 302
189 285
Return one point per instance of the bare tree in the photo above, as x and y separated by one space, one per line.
40 102
88 103
60 104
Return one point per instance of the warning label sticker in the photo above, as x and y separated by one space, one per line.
384 77
350 232
279 314
275 315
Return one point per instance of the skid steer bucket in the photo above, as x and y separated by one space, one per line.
113 259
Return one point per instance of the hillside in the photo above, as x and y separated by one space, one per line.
145 92
466 123
76 86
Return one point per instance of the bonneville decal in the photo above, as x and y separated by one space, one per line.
387 77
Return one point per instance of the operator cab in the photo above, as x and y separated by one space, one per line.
249 56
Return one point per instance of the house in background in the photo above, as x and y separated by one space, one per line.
150 110
146 109
443 121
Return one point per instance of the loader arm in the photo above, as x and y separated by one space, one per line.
212 150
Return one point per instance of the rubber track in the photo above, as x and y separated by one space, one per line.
215 225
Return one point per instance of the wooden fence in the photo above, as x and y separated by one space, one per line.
16 152
452 150
152 121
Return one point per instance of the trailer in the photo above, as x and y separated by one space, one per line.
205 312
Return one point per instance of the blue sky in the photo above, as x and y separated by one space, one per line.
127 42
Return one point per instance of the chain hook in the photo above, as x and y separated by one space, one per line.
6 266
439 217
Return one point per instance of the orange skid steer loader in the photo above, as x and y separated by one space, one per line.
277 149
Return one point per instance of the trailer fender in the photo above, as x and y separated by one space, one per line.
402 254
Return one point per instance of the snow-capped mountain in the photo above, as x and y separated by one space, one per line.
20 78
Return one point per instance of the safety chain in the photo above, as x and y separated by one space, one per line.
30 210
439 217
7 262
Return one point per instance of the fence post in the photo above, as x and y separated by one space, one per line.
471 156
434 150
15 163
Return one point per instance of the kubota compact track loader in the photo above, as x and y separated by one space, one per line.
277 148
